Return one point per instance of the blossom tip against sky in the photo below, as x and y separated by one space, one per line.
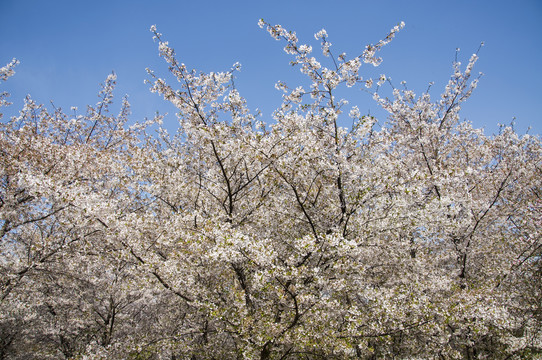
67 48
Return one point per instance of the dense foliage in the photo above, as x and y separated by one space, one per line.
417 237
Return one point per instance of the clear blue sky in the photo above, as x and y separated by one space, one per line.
67 48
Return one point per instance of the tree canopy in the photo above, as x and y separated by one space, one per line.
415 236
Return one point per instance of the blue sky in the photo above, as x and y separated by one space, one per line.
67 48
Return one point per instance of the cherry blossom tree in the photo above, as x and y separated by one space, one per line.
416 236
